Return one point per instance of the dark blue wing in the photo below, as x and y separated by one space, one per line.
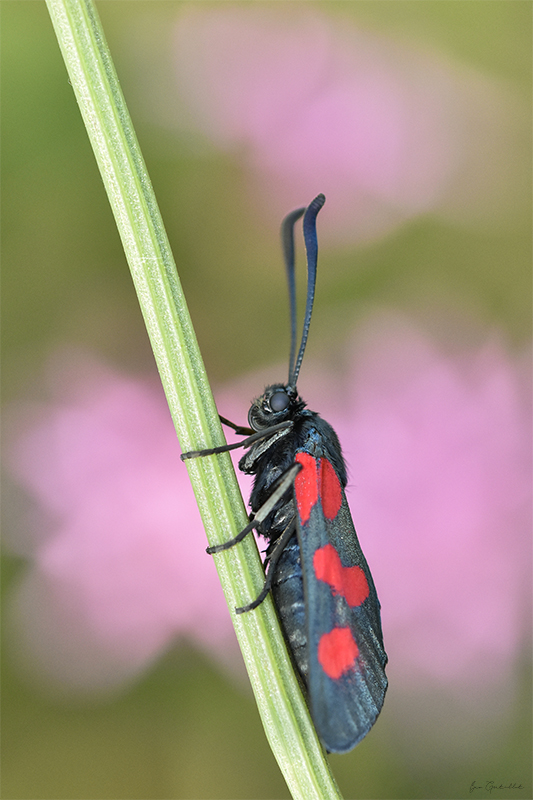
346 679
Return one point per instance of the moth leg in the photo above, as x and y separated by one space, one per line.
282 485
218 548
241 430
274 558
250 440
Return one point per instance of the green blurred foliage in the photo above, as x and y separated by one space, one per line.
186 731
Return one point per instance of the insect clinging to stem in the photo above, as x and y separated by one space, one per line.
320 581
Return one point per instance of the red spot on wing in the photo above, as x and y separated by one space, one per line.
337 652
330 490
306 485
317 478
348 582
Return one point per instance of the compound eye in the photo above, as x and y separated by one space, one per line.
279 401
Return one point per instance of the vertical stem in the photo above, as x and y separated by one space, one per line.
283 710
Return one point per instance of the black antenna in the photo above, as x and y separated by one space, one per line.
287 242
311 247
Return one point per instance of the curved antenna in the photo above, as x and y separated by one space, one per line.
311 246
287 242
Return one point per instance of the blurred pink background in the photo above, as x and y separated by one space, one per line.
122 675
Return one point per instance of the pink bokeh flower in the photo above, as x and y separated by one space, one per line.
443 496
121 571
386 129
438 449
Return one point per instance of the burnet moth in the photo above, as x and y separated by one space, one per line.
321 584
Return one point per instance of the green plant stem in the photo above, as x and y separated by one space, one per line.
282 707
